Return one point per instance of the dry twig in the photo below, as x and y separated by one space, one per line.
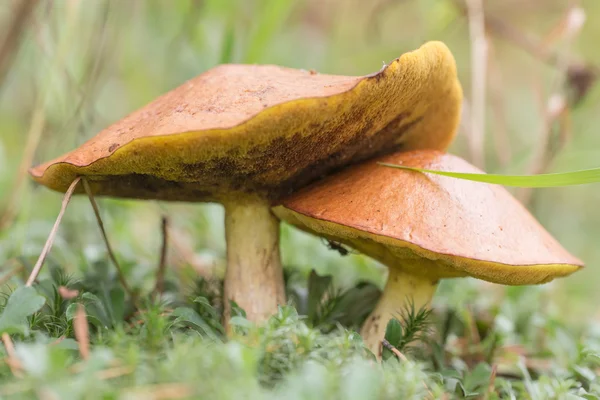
23 11
394 350
491 385
115 372
580 75
478 81
13 361
38 265
556 107
67 293
80 326
500 126
33 138
38 120
111 254
160 274
161 391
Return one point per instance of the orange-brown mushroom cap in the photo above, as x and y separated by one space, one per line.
451 227
265 129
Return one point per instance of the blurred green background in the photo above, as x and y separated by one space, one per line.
81 65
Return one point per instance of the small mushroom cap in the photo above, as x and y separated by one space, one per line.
436 226
265 129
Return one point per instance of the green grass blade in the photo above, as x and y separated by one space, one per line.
572 178
270 18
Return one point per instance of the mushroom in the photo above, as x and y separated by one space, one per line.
426 227
244 135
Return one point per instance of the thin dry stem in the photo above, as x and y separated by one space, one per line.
531 44
478 85
13 361
39 117
67 293
161 391
111 254
473 332
552 109
95 62
57 341
491 385
33 139
46 394
402 357
81 366
23 11
40 262
500 126
73 83
80 326
393 349
160 274
115 372
521 39
568 27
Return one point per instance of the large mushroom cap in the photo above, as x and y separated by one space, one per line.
267 129
457 227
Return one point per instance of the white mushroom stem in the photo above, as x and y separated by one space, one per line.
254 277
401 287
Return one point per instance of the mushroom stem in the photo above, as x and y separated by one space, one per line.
254 277
401 287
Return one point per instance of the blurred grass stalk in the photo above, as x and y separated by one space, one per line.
555 108
38 120
479 61
23 10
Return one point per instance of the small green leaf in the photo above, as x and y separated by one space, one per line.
24 302
393 332
271 15
206 307
572 178
477 379
117 304
585 373
236 309
241 322
94 309
190 317
452 385
72 310
589 396
228 44
317 286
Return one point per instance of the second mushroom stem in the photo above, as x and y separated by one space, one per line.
254 276
401 288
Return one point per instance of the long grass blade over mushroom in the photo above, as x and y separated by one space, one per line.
557 179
